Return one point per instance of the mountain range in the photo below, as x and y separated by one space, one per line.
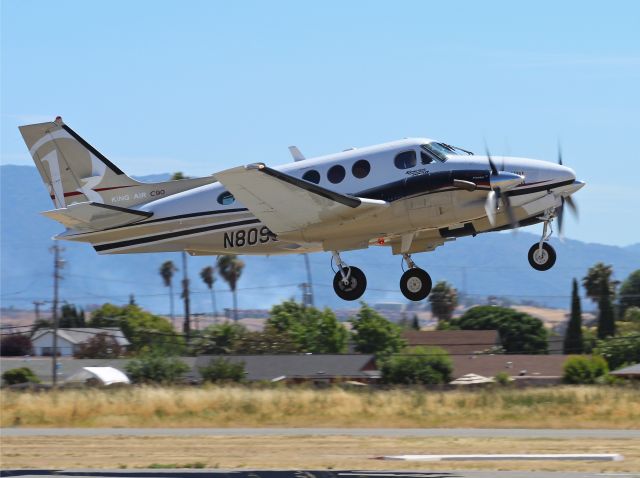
489 264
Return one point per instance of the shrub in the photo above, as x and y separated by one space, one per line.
19 375
584 370
222 370
100 346
621 350
422 365
15 345
156 368
503 378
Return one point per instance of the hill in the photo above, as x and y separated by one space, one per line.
489 264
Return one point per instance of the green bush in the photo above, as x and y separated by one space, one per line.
421 365
621 350
584 370
19 375
222 370
156 368
503 378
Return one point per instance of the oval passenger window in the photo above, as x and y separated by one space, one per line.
405 160
336 174
361 168
312 176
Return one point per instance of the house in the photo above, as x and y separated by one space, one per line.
454 342
524 369
632 371
300 368
70 340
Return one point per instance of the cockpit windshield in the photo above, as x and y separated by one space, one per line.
442 150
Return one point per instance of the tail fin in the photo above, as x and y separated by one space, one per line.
73 170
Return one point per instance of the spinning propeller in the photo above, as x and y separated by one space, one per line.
570 202
500 182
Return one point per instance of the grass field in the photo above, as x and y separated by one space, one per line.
234 406
312 452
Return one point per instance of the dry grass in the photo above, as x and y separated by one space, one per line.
560 407
327 452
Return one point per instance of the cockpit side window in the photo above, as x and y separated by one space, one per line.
405 160
425 158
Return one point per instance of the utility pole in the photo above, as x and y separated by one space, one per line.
37 304
186 328
307 289
58 264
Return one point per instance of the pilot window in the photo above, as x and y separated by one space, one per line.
405 160
226 198
312 176
425 158
361 168
336 174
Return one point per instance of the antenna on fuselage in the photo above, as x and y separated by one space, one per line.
297 155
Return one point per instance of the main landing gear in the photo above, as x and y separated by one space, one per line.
349 283
542 256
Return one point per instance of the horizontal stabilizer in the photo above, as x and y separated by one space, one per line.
91 216
286 203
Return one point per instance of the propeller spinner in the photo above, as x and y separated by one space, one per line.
500 182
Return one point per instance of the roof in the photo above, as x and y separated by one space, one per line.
627 371
79 335
514 365
454 341
471 379
270 367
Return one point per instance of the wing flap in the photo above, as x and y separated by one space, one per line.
285 203
91 216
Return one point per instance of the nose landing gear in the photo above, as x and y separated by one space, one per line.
542 256
349 283
415 283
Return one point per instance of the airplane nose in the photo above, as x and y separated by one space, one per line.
568 173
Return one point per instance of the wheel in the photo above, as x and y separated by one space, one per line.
415 284
542 260
353 290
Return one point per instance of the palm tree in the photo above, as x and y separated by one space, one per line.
208 277
167 269
230 269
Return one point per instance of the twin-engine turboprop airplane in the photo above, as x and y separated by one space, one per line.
411 195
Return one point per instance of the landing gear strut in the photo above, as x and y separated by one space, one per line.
542 256
349 283
415 283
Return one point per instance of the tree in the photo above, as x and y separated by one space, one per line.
100 346
230 269
208 277
16 345
178 176
584 370
596 275
141 328
156 368
373 334
621 350
573 336
606 318
421 365
167 269
415 322
313 330
219 338
71 316
222 370
267 341
519 332
630 322
19 375
443 299
629 293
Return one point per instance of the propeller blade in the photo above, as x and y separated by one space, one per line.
510 213
572 205
492 165
490 207
559 154
561 218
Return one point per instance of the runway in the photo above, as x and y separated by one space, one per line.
354 432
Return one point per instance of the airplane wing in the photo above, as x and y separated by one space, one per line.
91 216
285 203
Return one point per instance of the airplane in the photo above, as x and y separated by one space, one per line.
411 195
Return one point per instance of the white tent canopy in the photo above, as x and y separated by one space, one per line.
105 375
471 379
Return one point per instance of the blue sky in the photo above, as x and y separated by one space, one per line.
160 86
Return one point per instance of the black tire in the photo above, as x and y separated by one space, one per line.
415 284
542 261
356 286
